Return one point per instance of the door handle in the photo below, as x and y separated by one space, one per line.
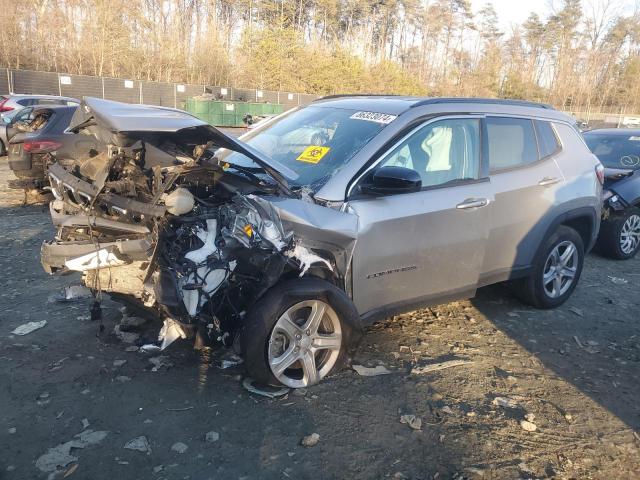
473 203
546 181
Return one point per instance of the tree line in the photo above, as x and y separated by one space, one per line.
581 55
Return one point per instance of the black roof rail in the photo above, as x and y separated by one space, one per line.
343 95
494 101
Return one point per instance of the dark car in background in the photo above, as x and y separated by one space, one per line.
619 152
43 135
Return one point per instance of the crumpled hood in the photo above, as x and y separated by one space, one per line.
122 124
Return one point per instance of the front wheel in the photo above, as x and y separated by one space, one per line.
556 270
299 332
619 235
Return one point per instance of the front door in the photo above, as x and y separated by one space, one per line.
417 247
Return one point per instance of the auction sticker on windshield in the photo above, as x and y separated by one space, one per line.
383 118
313 154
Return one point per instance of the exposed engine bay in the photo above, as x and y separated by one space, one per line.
154 218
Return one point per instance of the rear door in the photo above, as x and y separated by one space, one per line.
429 244
525 179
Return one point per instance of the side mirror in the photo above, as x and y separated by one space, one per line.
393 180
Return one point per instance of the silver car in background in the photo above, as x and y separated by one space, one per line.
350 210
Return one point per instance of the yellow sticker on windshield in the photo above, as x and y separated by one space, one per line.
313 154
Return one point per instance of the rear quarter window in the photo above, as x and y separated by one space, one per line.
511 142
548 143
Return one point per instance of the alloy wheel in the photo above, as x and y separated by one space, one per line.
305 343
630 235
560 269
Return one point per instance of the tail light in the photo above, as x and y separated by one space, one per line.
41 146
3 107
600 173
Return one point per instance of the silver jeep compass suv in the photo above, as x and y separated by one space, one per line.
283 243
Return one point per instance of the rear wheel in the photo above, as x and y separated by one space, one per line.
556 270
619 236
299 332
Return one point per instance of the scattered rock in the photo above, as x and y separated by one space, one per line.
126 337
86 391
12 430
212 437
131 348
159 362
528 426
119 363
29 327
530 417
122 379
513 314
310 440
85 423
140 444
179 447
414 422
370 371
568 416
447 409
505 402
158 468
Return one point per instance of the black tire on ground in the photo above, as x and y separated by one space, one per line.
3 149
608 243
263 315
531 290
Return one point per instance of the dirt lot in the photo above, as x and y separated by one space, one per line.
575 369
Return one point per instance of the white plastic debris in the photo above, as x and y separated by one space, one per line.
149 347
102 258
306 258
60 455
140 444
618 280
415 423
73 293
371 371
27 328
170 332
212 437
266 391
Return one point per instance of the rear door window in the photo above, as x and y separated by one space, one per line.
511 142
548 143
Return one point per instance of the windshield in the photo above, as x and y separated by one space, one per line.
315 142
615 151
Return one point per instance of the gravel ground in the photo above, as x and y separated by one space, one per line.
573 372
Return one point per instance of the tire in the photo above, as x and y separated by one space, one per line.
533 290
610 243
3 149
298 297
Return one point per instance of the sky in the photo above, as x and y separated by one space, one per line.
517 11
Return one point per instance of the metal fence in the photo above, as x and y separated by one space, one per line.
135 91
175 94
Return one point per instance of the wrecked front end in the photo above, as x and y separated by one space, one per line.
153 219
